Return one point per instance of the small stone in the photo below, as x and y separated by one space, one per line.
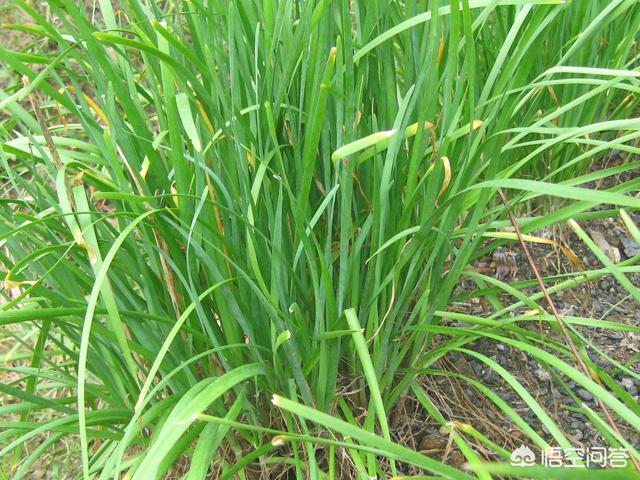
457 459
615 335
576 424
506 396
500 347
430 444
627 382
578 435
543 375
584 394
478 369
631 247
630 385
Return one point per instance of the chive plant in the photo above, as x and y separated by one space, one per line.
215 215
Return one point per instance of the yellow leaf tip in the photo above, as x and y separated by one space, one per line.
10 284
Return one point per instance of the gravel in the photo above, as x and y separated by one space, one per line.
584 394
630 386
543 375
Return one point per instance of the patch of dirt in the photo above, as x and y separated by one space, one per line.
603 298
